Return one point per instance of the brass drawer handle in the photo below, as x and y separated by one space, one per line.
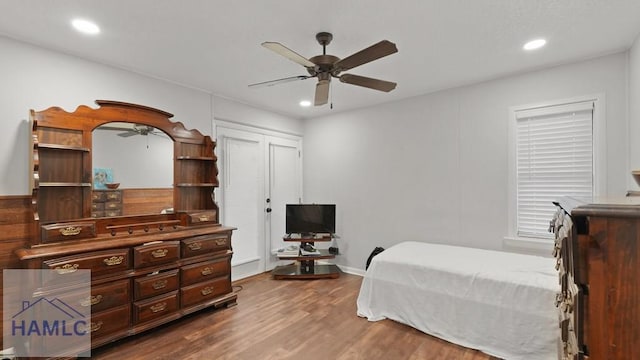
114 260
159 253
206 271
94 326
91 300
206 291
113 197
67 269
221 242
160 284
195 246
204 218
70 230
158 307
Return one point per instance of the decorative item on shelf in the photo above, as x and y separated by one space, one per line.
112 186
102 177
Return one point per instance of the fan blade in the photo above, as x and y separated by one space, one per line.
288 53
280 81
373 52
368 82
322 92
128 133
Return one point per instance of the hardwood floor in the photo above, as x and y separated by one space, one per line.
286 319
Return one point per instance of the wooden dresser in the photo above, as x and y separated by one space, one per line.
146 269
598 259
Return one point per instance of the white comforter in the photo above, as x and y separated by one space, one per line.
499 303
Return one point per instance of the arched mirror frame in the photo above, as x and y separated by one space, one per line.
62 167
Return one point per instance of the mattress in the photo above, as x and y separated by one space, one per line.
499 303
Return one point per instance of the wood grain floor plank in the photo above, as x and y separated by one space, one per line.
286 319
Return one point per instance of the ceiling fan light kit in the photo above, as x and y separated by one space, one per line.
324 66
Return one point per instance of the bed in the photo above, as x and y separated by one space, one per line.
499 303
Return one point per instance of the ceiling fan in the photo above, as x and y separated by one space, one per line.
324 66
138 129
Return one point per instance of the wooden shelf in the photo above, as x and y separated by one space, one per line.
63 147
63 184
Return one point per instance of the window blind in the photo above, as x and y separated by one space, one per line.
554 158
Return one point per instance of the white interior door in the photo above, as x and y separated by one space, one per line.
284 187
256 167
241 165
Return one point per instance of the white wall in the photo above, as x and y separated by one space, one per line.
232 111
634 111
434 168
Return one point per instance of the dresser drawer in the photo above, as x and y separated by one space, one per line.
192 274
98 196
68 231
109 321
205 291
102 297
110 213
97 207
112 206
113 195
204 244
99 262
202 217
156 253
102 325
153 285
154 308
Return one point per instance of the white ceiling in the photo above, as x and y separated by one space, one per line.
214 45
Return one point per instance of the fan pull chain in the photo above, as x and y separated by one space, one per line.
331 96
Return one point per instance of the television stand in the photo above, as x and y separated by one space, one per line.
306 266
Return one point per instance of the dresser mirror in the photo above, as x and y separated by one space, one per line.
139 156
139 159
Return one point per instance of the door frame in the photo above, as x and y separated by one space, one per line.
243 270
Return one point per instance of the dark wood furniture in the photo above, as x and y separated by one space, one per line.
598 259
146 269
306 266
106 203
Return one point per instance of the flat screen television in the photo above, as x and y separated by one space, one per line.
310 218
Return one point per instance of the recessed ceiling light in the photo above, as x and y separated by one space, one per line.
534 44
85 26
305 103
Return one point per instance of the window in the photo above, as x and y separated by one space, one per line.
553 155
